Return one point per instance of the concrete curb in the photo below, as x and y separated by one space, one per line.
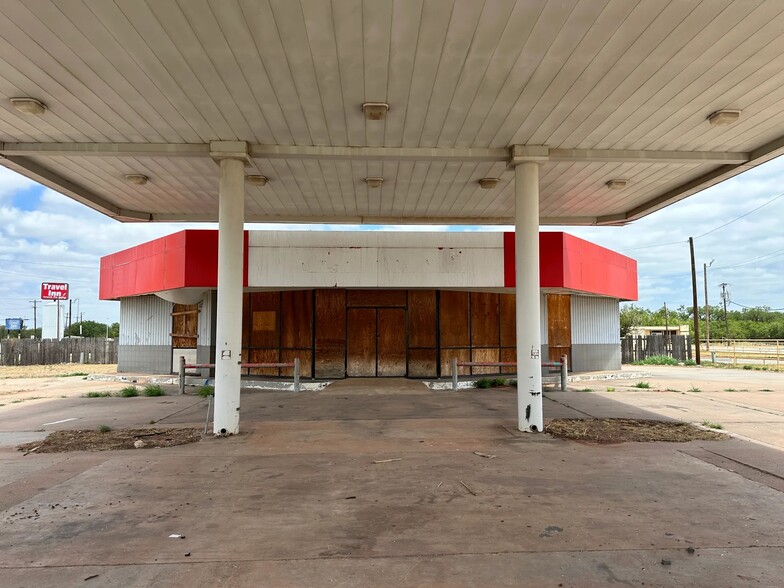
274 385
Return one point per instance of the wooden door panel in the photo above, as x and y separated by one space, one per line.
559 326
422 318
361 342
391 342
484 319
454 319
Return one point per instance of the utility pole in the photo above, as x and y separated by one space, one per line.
694 304
35 318
725 296
705 267
70 314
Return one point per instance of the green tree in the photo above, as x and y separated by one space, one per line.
90 329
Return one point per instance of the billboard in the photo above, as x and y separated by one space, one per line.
54 291
13 324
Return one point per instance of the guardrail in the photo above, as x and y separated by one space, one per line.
545 364
294 364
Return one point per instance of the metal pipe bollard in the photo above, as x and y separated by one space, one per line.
296 374
564 371
454 373
182 374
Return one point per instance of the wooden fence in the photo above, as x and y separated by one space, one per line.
50 351
641 347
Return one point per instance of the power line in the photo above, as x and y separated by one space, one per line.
27 262
741 216
753 307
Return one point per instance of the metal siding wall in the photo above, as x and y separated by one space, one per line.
595 320
145 320
206 311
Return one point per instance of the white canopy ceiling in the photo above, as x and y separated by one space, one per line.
613 89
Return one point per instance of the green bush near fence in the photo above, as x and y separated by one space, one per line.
657 360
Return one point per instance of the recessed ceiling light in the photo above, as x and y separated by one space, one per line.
616 184
29 106
138 179
256 180
489 183
375 110
374 182
722 118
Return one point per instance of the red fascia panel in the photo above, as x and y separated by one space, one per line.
574 264
187 259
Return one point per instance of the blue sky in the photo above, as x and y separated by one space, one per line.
45 236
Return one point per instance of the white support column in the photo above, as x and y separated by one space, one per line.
228 332
529 338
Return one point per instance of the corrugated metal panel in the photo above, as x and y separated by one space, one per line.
595 320
543 317
206 310
145 320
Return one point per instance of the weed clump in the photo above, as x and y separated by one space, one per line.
128 392
153 390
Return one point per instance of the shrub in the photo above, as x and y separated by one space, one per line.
690 362
747 367
153 390
96 395
206 391
642 385
498 382
512 383
657 360
128 392
484 383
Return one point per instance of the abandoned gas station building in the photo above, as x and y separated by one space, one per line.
511 112
367 303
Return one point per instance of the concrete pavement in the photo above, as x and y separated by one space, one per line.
296 500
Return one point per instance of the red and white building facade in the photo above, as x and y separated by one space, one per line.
368 303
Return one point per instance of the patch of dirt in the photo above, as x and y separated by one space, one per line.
628 430
57 369
94 440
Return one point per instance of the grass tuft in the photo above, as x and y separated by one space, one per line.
104 428
206 391
71 374
153 390
694 389
712 425
484 383
128 392
97 395
642 385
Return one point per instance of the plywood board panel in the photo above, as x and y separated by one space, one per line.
559 320
422 319
305 363
330 333
391 340
264 356
508 354
245 320
361 349
422 363
296 317
508 320
559 326
446 361
489 355
265 320
484 319
185 326
454 319
376 298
